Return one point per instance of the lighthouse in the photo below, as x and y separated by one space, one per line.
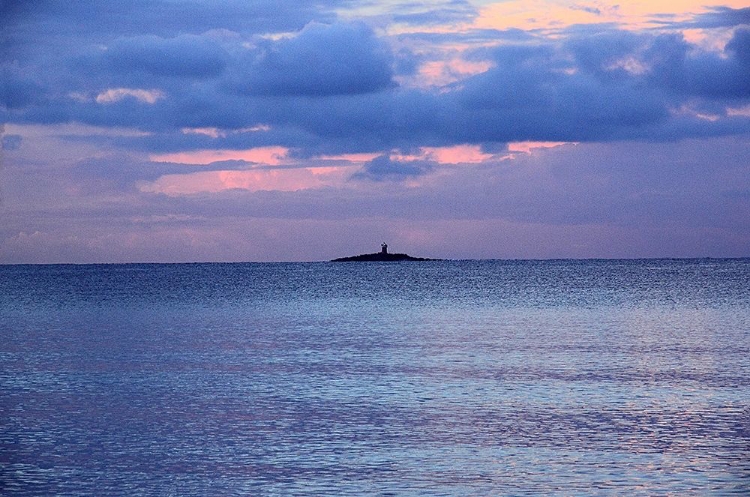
383 248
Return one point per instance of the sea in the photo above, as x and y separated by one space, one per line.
455 378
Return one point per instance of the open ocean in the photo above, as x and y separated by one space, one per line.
603 377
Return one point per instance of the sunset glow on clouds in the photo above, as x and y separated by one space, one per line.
545 128
559 14
265 155
216 181
294 176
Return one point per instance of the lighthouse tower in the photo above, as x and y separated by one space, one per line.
383 248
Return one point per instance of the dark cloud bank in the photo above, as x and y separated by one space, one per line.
331 87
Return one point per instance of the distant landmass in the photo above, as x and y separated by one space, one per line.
377 256
383 255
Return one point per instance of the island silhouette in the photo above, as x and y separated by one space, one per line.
383 255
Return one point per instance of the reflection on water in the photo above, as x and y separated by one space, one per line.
452 378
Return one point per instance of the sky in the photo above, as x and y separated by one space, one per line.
197 130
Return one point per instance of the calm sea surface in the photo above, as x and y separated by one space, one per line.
431 378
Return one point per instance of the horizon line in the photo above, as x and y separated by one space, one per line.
498 259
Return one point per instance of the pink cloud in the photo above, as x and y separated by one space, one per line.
293 179
739 111
528 146
354 158
272 156
458 154
439 73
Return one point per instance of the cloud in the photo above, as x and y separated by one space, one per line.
17 91
384 168
116 173
718 17
87 47
103 19
440 12
264 155
675 68
11 142
113 95
183 56
739 46
534 94
682 198
254 179
329 88
321 60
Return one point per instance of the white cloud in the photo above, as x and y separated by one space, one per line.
113 95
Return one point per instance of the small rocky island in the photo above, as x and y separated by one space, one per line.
383 255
